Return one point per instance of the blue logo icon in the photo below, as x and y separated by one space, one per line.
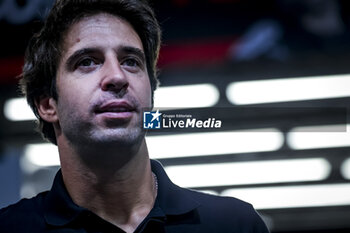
151 120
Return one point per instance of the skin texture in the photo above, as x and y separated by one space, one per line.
103 87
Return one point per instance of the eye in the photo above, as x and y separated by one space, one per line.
131 62
86 62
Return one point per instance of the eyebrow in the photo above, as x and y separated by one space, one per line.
132 50
70 61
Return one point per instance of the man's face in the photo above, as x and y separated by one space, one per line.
102 83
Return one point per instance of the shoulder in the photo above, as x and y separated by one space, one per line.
219 202
19 217
228 212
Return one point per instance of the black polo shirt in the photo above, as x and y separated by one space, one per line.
175 210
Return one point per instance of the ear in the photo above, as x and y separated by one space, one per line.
47 108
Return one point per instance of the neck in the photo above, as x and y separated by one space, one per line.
119 190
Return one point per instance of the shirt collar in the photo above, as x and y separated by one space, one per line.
172 199
60 209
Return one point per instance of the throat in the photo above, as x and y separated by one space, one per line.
123 199
129 209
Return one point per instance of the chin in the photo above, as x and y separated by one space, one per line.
117 138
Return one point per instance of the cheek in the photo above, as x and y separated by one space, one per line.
72 89
145 94
67 105
71 99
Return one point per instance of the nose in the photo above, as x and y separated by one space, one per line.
114 79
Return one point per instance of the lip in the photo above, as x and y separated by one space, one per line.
115 109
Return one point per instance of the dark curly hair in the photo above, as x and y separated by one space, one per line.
43 53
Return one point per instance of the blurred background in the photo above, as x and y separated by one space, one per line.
276 72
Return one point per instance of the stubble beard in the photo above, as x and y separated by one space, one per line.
89 137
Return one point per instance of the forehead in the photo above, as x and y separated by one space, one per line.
100 30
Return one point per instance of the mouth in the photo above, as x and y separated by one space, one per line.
115 109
